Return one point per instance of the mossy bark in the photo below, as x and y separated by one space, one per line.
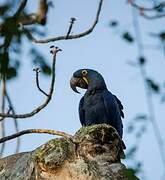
94 154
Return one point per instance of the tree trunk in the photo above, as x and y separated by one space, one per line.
94 154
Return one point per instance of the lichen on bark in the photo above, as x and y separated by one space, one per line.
95 153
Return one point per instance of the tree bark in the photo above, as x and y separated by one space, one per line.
94 154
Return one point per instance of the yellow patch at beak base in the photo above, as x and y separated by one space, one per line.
85 79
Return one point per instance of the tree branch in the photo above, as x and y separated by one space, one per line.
158 6
150 105
152 17
58 38
37 70
39 108
20 8
38 131
11 108
33 18
3 110
38 17
143 9
70 27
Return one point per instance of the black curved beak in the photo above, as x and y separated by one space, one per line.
78 82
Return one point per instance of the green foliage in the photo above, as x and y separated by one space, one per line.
39 60
141 117
131 152
113 23
160 7
4 61
130 173
138 125
136 128
4 8
142 60
11 35
153 85
162 36
11 72
128 37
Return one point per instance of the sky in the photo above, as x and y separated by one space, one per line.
102 50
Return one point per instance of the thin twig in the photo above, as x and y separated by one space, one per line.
2 110
163 48
39 131
39 108
42 12
70 27
37 70
143 9
150 104
3 135
152 17
155 7
15 122
58 38
39 17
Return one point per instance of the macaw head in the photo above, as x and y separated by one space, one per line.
86 79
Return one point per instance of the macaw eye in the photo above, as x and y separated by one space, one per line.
84 72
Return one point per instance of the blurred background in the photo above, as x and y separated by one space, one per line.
127 47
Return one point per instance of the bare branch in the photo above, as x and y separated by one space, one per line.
70 27
158 6
27 19
38 131
42 12
20 8
37 70
15 121
152 17
58 38
3 110
150 105
143 9
3 135
33 18
38 17
39 108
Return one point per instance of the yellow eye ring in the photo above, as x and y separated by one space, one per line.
84 72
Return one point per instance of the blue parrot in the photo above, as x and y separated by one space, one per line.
98 105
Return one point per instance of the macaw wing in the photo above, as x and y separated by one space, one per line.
113 111
82 112
120 106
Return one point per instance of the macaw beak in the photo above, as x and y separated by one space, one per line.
78 82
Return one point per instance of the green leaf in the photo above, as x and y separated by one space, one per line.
141 117
162 36
130 128
160 7
153 86
128 37
141 131
113 23
142 60
4 61
40 61
11 72
46 69
4 8
131 152
130 173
